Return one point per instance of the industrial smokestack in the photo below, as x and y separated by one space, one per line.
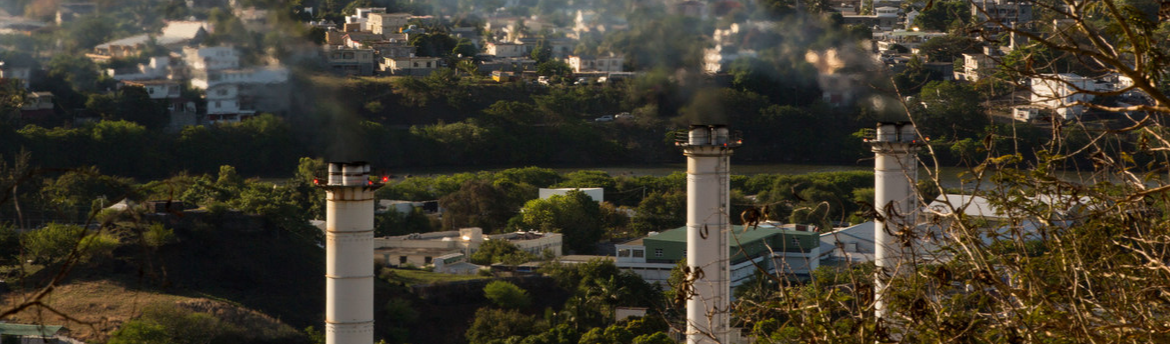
349 249
896 169
707 148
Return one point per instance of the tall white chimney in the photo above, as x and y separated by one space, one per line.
896 169
707 148
349 250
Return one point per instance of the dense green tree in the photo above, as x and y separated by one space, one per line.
946 109
464 47
491 325
575 215
499 251
948 48
437 44
913 76
656 338
478 203
660 212
140 332
942 14
135 105
542 52
391 223
10 248
55 242
554 68
76 193
506 295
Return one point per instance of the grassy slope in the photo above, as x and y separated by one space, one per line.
265 270
105 305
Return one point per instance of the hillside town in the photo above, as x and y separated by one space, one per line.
584 172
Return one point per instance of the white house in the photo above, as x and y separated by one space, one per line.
506 49
411 65
1060 92
21 73
585 63
234 93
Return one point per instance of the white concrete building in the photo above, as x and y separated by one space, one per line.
234 93
361 16
976 67
586 63
387 23
16 72
421 249
413 66
505 49
1061 92
715 59
157 68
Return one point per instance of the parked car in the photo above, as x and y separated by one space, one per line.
606 118
623 115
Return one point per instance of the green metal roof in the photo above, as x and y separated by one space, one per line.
739 235
24 330
670 246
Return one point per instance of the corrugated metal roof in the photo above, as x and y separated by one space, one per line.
739 234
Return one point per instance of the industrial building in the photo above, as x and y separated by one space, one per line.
421 249
774 249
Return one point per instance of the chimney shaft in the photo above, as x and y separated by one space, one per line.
707 149
896 170
349 250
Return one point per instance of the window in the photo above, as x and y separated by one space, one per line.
416 65
638 253
347 56
402 259
623 253
217 104
335 56
658 253
426 260
150 90
222 92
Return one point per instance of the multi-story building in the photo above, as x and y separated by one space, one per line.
71 11
1061 92
992 12
235 93
349 61
976 67
386 23
12 71
361 16
157 68
506 49
776 249
422 249
411 65
586 63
